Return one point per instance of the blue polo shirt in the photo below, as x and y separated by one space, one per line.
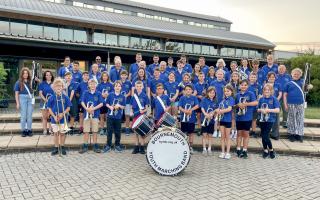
272 102
24 90
63 69
179 75
164 76
171 69
56 106
200 87
188 68
46 88
206 104
250 97
283 79
158 109
245 70
153 84
133 68
72 87
294 95
76 76
111 100
225 103
171 88
255 89
105 86
115 75
96 76
205 70
146 83
125 89
144 101
151 68
210 79
219 85
95 98
189 100
83 86
261 77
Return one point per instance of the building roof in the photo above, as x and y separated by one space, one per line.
86 15
168 10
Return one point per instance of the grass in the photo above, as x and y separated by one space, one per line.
312 113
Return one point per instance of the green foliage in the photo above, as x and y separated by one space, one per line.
313 97
3 75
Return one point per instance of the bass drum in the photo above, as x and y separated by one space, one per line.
168 151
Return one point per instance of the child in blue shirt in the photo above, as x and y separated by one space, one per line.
211 75
91 102
208 108
188 104
255 88
116 102
268 107
58 105
172 90
82 88
126 91
219 84
160 106
199 91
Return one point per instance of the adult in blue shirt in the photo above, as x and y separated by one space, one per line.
170 67
102 67
66 67
186 66
222 65
135 66
270 66
155 64
115 72
76 73
203 66
95 74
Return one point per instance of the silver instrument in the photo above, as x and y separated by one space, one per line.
206 121
243 74
114 112
89 104
219 116
47 98
307 81
264 117
105 91
242 111
186 117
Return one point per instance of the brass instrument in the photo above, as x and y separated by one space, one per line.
243 75
114 112
206 121
47 98
242 111
264 117
186 117
307 86
104 92
89 104
65 128
219 116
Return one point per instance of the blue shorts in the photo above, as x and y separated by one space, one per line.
187 127
226 124
243 125
208 129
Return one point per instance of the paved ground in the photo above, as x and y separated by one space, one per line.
127 176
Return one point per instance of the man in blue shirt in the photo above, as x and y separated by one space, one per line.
204 67
155 64
135 66
270 66
76 73
66 67
186 66
115 72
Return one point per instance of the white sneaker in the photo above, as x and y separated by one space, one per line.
222 155
45 132
219 134
232 133
235 135
227 156
209 152
215 134
191 150
204 152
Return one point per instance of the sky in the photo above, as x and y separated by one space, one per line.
293 21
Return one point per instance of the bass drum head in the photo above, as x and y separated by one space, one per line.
168 152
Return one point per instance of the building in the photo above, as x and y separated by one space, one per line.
282 56
47 30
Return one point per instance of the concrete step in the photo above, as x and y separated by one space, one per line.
15 143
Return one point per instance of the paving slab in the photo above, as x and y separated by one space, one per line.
4 141
306 146
23 142
45 141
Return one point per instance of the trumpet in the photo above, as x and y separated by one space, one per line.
219 116
89 104
206 121
243 75
264 117
65 128
186 117
115 102
244 110
104 92
47 98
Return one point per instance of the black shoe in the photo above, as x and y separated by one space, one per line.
300 138
30 134
96 148
84 149
239 152
54 151
291 138
142 151
265 154
253 134
285 125
63 150
24 133
244 155
272 154
71 132
136 150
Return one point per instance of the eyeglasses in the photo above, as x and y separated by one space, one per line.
98 59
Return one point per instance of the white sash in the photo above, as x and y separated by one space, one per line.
304 101
31 97
138 101
161 102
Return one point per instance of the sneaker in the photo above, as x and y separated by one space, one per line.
239 152
232 134
222 155
71 132
210 152
227 156
96 148
291 138
215 134
118 149
84 149
191 150
219 134
265 154
127 131
235 134
23 133
204 152
63 150
136 150
29 133
54 151
142 151
299 138
101 132
244 155
45 132
272 154
106 149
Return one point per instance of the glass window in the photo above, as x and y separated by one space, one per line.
66 34
210 26
231 51
150 43
174 46
99 38
135 42
188 47
197 48
99 7
252 54
89 6
118 11
238 52
173 20
165 19
258 54
4 27
79 4
157 17
18 28
213 50
245 53
141 15
80 36
179 21
149 16
224 51
51 32
35 30
112 39
108 9
205 49
191 23
126 12
198 24
123 40
205 25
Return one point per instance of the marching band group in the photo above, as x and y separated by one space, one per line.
221 102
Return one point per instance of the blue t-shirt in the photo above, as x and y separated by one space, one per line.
208 104
105 87
209 79
76 76
73 86
133 69
115 75
164 76
146 84
158 109
46 88
144 101
55 104
219 85
24 90
125 89
255 89
171 88
63 69
96 76
170 69
272 103
224 104
179 75
194 78
261 77
205 70
114 99
95 99
188 68
154 83
83 86
191 101
283 79
250 97
246 71
294 94
151 68
200 88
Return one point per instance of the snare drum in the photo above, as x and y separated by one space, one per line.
167 120
143 125
168 151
